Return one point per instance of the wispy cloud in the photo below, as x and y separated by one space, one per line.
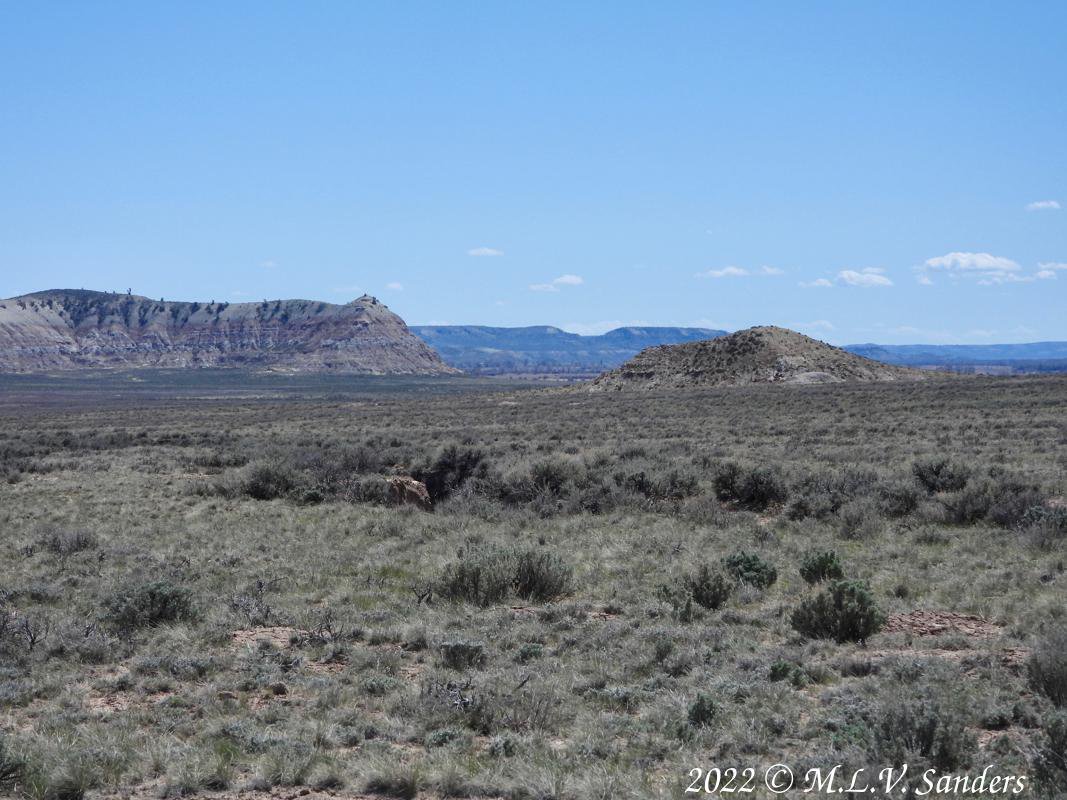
868 278
268 264
562 280
568 280
485 251
739 272
725 272
985 268
1044 205
972 262
395 286
818 283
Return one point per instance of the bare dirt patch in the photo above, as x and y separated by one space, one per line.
939 623
278 635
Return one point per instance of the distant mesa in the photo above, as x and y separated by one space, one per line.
765 354
544 350
75 328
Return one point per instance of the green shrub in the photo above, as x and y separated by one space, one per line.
485 577
1047 667
703 711
821 566
753 489
148 604
708 588
940 475
788 671
845 611
749 568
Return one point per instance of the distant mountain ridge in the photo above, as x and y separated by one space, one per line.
543 349
547 350
961 354
764 354
75 328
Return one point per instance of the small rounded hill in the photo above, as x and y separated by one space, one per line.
765 354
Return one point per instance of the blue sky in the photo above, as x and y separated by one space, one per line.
891 172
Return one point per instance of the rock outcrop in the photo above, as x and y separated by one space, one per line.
65 329
755 355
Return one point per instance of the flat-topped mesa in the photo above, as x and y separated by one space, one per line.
765 354
75 328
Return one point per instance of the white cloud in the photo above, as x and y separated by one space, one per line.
268 264
972 262
772 270
568 280
395 287
1045 274
818 283
484 251
1043 205
987 269
870 277
725 272
562 280
1053 265
925 280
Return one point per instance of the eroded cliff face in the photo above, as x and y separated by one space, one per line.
67 329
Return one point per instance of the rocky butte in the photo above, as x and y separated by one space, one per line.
765 354
68 329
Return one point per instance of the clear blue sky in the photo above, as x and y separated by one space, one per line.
861 171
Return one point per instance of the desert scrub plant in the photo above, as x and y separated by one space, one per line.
859 520
898 498
1045 527
1050 760
702 711
461 655
940 475
268 481
708 588
1047 667
13 768
821 566
845 611
147 605
451 470
485 577
1002 501
750 569
753 489
64 543
921 725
